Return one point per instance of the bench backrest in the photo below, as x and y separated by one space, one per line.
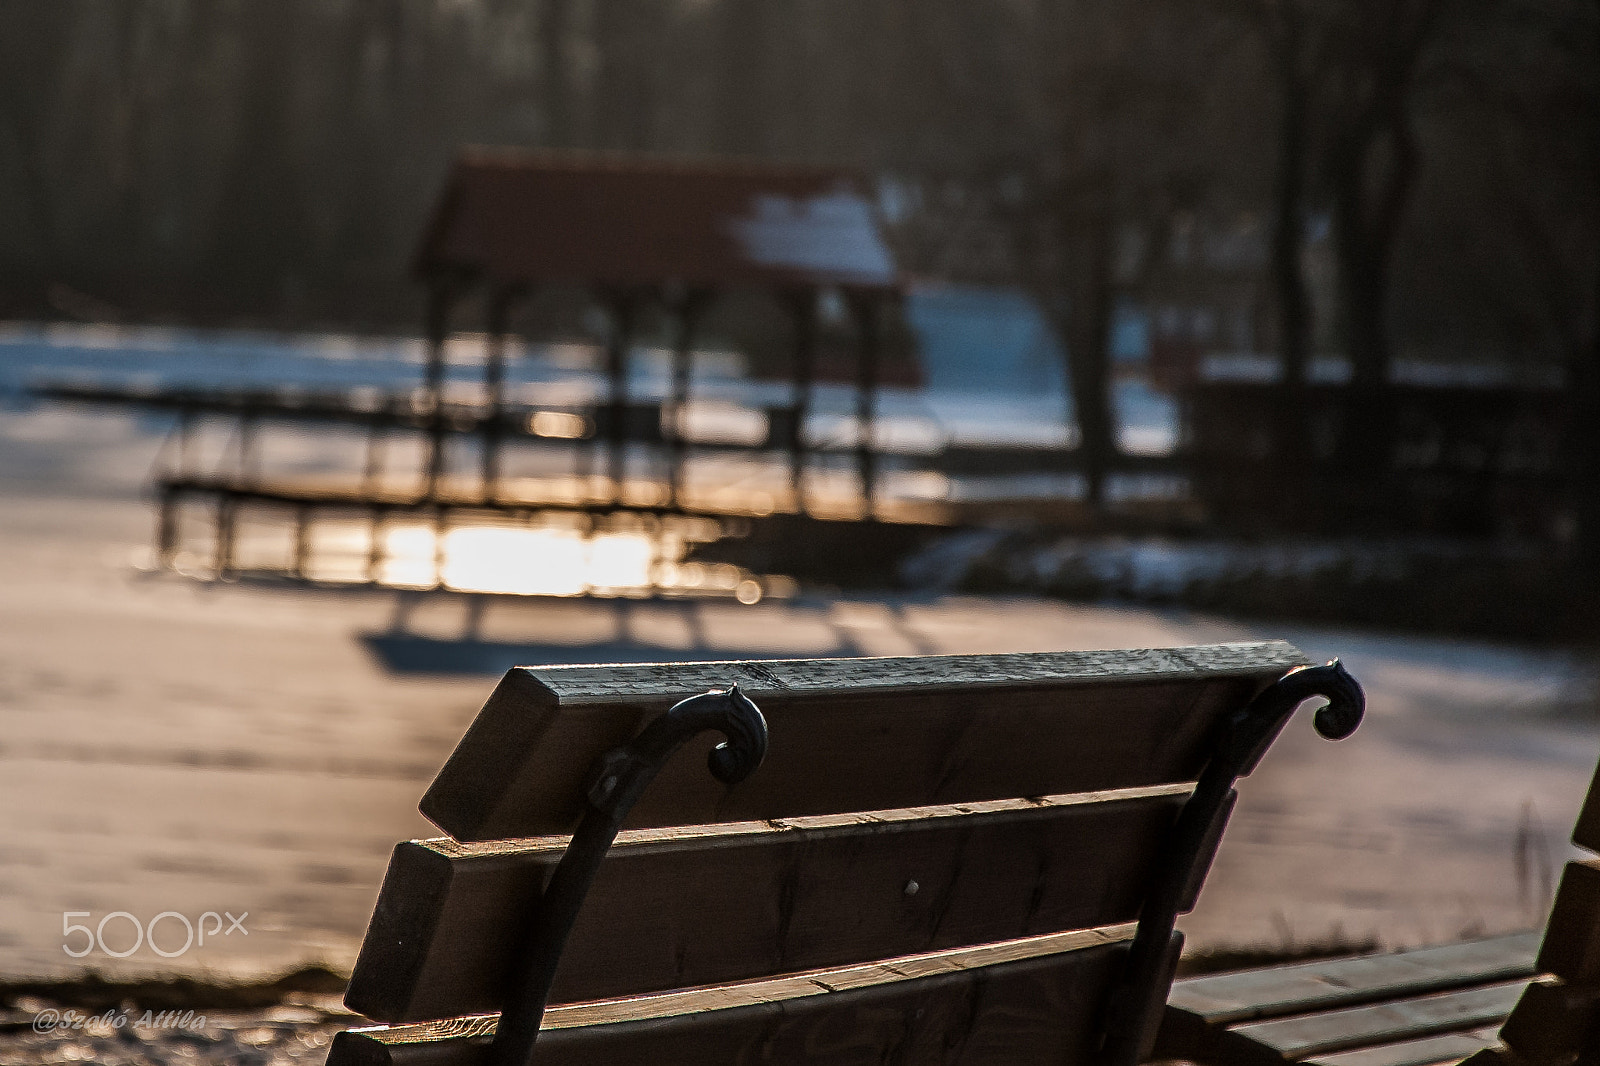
941 858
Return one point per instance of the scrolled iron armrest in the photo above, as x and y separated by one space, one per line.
1346 702
1243 738
622 774
1250 731
620 777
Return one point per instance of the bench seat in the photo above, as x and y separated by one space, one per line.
1529 999
1337 1010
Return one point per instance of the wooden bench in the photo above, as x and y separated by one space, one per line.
974 859
1529 999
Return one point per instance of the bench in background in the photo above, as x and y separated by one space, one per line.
1524 1000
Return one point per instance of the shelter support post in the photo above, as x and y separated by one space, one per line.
167 529
186 417
227 511
438 328
494 372
249 469
375 545
435 328
372 467
302 541
805 357
868 312
441 545
686 311
622 307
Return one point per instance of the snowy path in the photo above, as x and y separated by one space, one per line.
169 747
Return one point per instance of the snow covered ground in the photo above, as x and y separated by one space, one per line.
166 746
1021 404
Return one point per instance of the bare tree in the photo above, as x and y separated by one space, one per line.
1370 159
1081 128
555 52
31 78
1345 74
1292 65
211 150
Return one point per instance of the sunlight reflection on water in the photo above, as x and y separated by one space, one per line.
556 558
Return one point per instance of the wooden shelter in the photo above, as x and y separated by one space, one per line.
638 236
634 230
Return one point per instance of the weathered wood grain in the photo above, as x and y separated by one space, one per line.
852 734
895 675
722 903
1429 1051
1325 984
1303 1036
1571 948
999 1004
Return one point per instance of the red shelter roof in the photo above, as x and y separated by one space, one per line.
511 217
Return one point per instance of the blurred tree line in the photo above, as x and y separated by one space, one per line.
240 160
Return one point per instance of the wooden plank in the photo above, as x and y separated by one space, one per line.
1300 1037
1429 1051
1552 1020
852 734
1571 948
1036 1000
1301 988
679 907
838 979
1490 1056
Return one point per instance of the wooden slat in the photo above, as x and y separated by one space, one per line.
1429 1051
713 904
1491 1056
852 734
1301 988
1300 1037
1571 948
1031 1001
836 979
